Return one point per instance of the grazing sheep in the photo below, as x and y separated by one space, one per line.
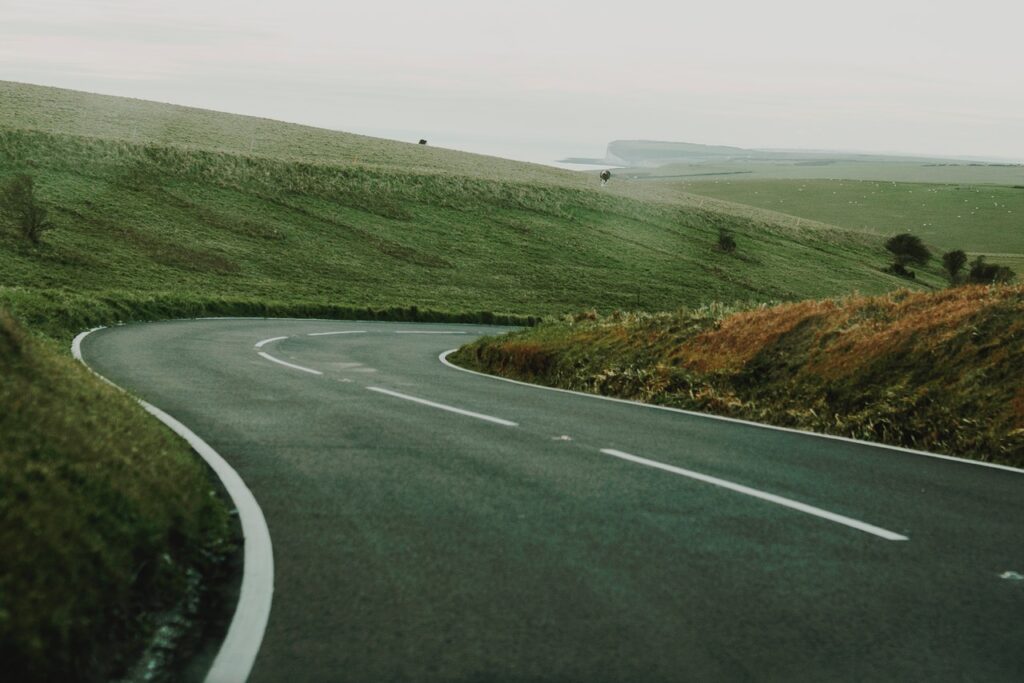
605 175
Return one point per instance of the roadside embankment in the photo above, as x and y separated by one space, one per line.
106 518
939 372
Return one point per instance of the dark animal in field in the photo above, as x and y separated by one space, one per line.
605 175
423 142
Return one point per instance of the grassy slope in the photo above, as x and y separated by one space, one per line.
170 201
105 517
934 371
980 219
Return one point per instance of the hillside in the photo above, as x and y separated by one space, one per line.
191 206
939 372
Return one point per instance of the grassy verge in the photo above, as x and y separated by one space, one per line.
106 519
938 371
59 314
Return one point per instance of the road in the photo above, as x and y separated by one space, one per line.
430 524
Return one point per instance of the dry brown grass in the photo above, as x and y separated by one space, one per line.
940 371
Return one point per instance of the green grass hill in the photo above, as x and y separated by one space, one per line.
153 201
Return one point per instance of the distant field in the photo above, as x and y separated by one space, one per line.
980 219
829 169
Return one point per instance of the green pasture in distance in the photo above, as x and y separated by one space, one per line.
828 168
980 219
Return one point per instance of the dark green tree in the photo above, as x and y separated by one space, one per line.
954 262
18 199
908 248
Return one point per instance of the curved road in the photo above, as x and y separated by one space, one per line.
434 525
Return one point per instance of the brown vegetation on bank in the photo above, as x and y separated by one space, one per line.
940 371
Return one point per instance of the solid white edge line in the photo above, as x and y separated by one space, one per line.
324 334
755 493
443 357
260 344
238 652
442 406
287 364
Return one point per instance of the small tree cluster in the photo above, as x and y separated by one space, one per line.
988 273
980 271
18 199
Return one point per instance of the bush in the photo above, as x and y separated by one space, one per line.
18 199
726 242
954 262
989 273
908 248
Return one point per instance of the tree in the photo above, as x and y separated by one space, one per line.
908 248
726 242
989 273
954 262
18 199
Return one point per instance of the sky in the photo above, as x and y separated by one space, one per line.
540 80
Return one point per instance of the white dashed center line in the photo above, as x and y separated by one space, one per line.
771 498
442 406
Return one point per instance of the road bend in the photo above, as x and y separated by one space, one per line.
434 525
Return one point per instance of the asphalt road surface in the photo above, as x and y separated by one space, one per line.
430 524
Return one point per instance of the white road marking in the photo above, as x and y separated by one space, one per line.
245 634
237 653
324 334
427 332
443 357
260 344
289 365
770 497
442 406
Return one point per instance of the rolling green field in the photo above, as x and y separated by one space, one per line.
178 203
980 219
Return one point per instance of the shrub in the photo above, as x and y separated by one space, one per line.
954 262
18 199
726 242
989 273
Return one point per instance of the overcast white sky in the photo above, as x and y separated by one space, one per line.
543 79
